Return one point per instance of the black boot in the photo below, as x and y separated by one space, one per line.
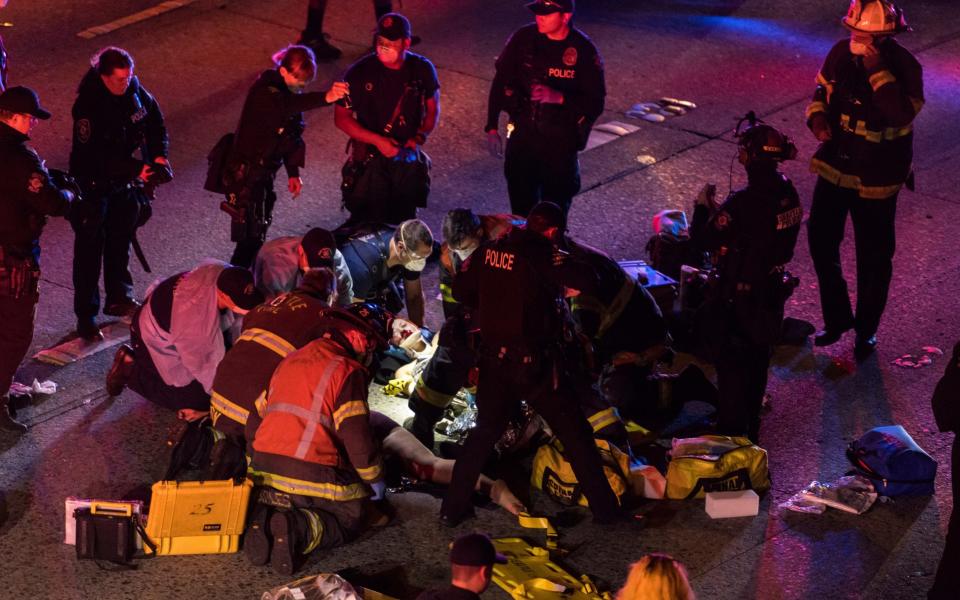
7 422
120 370
291 534
257 539
424 420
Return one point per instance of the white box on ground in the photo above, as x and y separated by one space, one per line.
724 505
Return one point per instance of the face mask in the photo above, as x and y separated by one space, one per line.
387 56
858 48
464 253
416 265
296 88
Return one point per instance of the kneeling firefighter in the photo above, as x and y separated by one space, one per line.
751 237
314 452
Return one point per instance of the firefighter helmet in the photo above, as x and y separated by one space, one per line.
763 142
875 17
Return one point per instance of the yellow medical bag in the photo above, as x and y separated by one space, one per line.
715 463
198 517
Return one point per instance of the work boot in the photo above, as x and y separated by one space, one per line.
88 330
829 336
257 539
424 420
7 422
120 370
322 49
124 308
864 347
291 534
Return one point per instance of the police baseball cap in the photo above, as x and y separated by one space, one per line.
319 247
237 284
548 7
475 550
393 26
23 101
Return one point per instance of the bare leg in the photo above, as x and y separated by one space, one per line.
425 465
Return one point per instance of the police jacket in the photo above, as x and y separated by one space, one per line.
871 115
515 291
315 438
26 196
277 269
270 332
108 129
753 233
271 125
572 65
366 251
493 226
195 341
614 309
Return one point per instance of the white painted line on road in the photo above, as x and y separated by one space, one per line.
136 17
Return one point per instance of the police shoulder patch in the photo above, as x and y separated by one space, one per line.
35 183
570 56
83 130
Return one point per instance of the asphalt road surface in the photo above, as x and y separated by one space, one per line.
727 57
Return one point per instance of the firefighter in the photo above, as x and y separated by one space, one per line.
395 96
449 367
518 359
549 79
315 451
385 263
282 262
114 116
180 335
752 237
269 135
270 332
869 91
27 196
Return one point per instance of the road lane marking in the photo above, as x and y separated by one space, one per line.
143 15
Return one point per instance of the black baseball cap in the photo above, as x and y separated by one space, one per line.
394 26
237 284
319 247
24 101
475 550
548 7
545 215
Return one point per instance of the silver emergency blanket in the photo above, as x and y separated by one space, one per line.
276 269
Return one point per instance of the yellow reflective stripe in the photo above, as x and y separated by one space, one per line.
268 340
890 133
815 107
604 418
446 293
430 395
316 530
229 409
617 306
852 182
261 403
581 302
881 78
369 473
354 408
327 491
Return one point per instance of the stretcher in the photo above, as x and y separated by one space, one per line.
529 574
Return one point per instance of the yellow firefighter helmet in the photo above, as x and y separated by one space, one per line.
876 17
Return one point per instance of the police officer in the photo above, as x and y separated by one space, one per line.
313 36
752 236
515 291
869 90
113 117
395 98
27 196
282 262
270 135
550 82
380 256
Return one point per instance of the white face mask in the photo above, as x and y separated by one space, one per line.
416 265
464 253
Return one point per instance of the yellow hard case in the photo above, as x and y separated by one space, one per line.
198 517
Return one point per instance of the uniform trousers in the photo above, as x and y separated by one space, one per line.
104 238
17 315
540 169
389 190
947 581
258 201
504 382
875 240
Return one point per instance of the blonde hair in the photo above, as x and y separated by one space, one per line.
656 577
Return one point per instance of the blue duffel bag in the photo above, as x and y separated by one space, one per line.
895 464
